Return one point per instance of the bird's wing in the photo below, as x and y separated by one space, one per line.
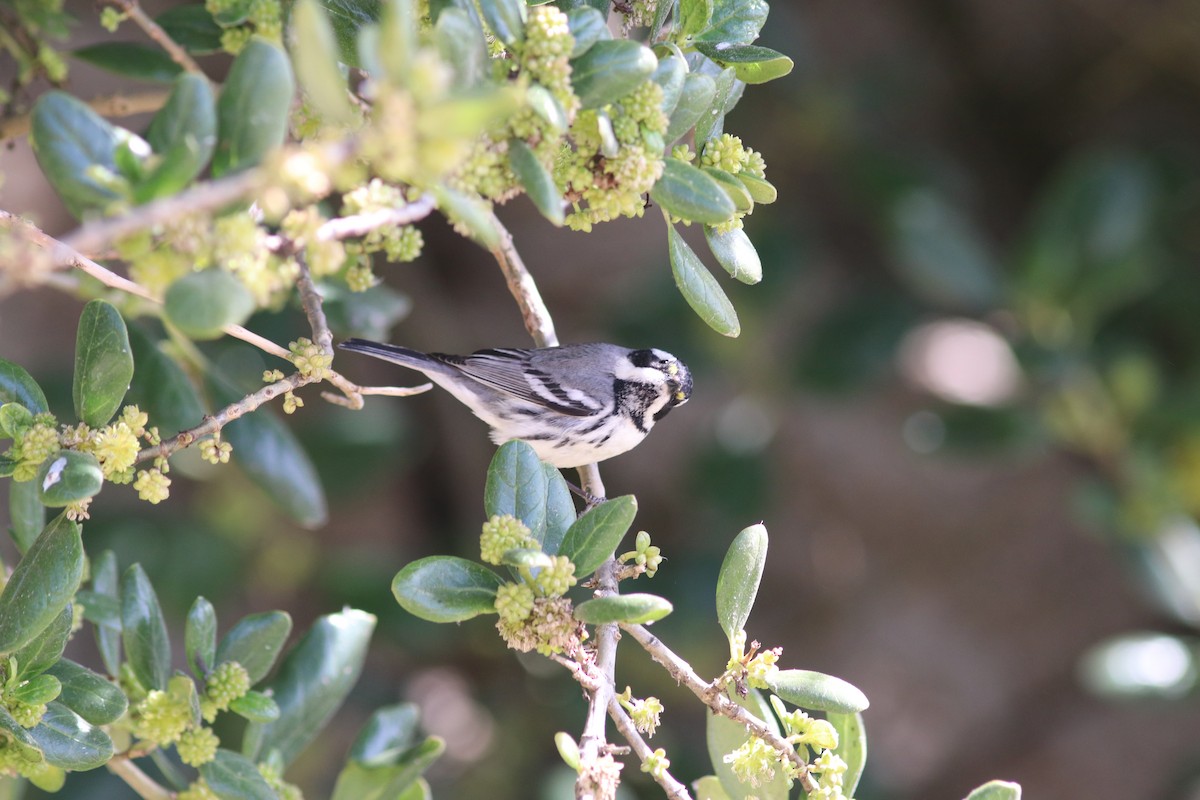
511 371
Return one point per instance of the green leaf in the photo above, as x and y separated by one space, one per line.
396 40
694 16
670 74
852 747
386 735
130 60
311 684
662 10
609 70
760 190
595 535
26 513
255 707
182 135
940 254
537 180
737 583
233 12
11 730
252 114
161 388
46 648
233 777
69 741
91 696
735 252
202 303
568 750
471 212
100 609
18 386
103 363
546 106
517 484
560 510
735 21
735 189
724 95
360 781
588 26
68 477
348 18
751 63
700 288
192 27
817 691
41 585
633 608
446 589
200 637
315 60
462 45
144 631
725 736
106 582
526 558
255 642
709 788
270 455
69 139
689 193
505 18
36 690
996 790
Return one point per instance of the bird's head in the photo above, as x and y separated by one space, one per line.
661 371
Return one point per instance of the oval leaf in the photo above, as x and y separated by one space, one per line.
735 253
144 631
689 193
11 730
315 59
517 484
359 781
760 190
996 790
595 535
724 96
695 97
737 583
312 682
37 690
670 74
252 114
694 16
106 583
71 742
255 707
202 303
200 637
131 60
161 388
462 45
634 609
735 189
26 513
818 691
41 585
182 134
46 648
386 735
192 27
735 21
233 777
610 70
751 64
446 589
472 213
537 180
588 26
255 642
103 363
271 456
700 288
68 138
91 696
725 736
68 477
852 747
505 18
18 386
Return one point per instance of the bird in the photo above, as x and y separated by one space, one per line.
574 405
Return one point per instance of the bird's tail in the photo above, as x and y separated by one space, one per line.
394 353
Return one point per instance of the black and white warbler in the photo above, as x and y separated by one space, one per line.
574 405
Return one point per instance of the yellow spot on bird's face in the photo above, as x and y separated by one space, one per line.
672 369
680 396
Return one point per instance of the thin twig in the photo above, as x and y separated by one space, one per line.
524 290
155 32
674 789
110 105
312 301
713 696
141 783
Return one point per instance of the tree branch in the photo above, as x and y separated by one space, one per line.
524 290
141 783
160 37
713 696
674 789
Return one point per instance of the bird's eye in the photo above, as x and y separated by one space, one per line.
672 369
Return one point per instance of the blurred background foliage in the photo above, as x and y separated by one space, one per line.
965 402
